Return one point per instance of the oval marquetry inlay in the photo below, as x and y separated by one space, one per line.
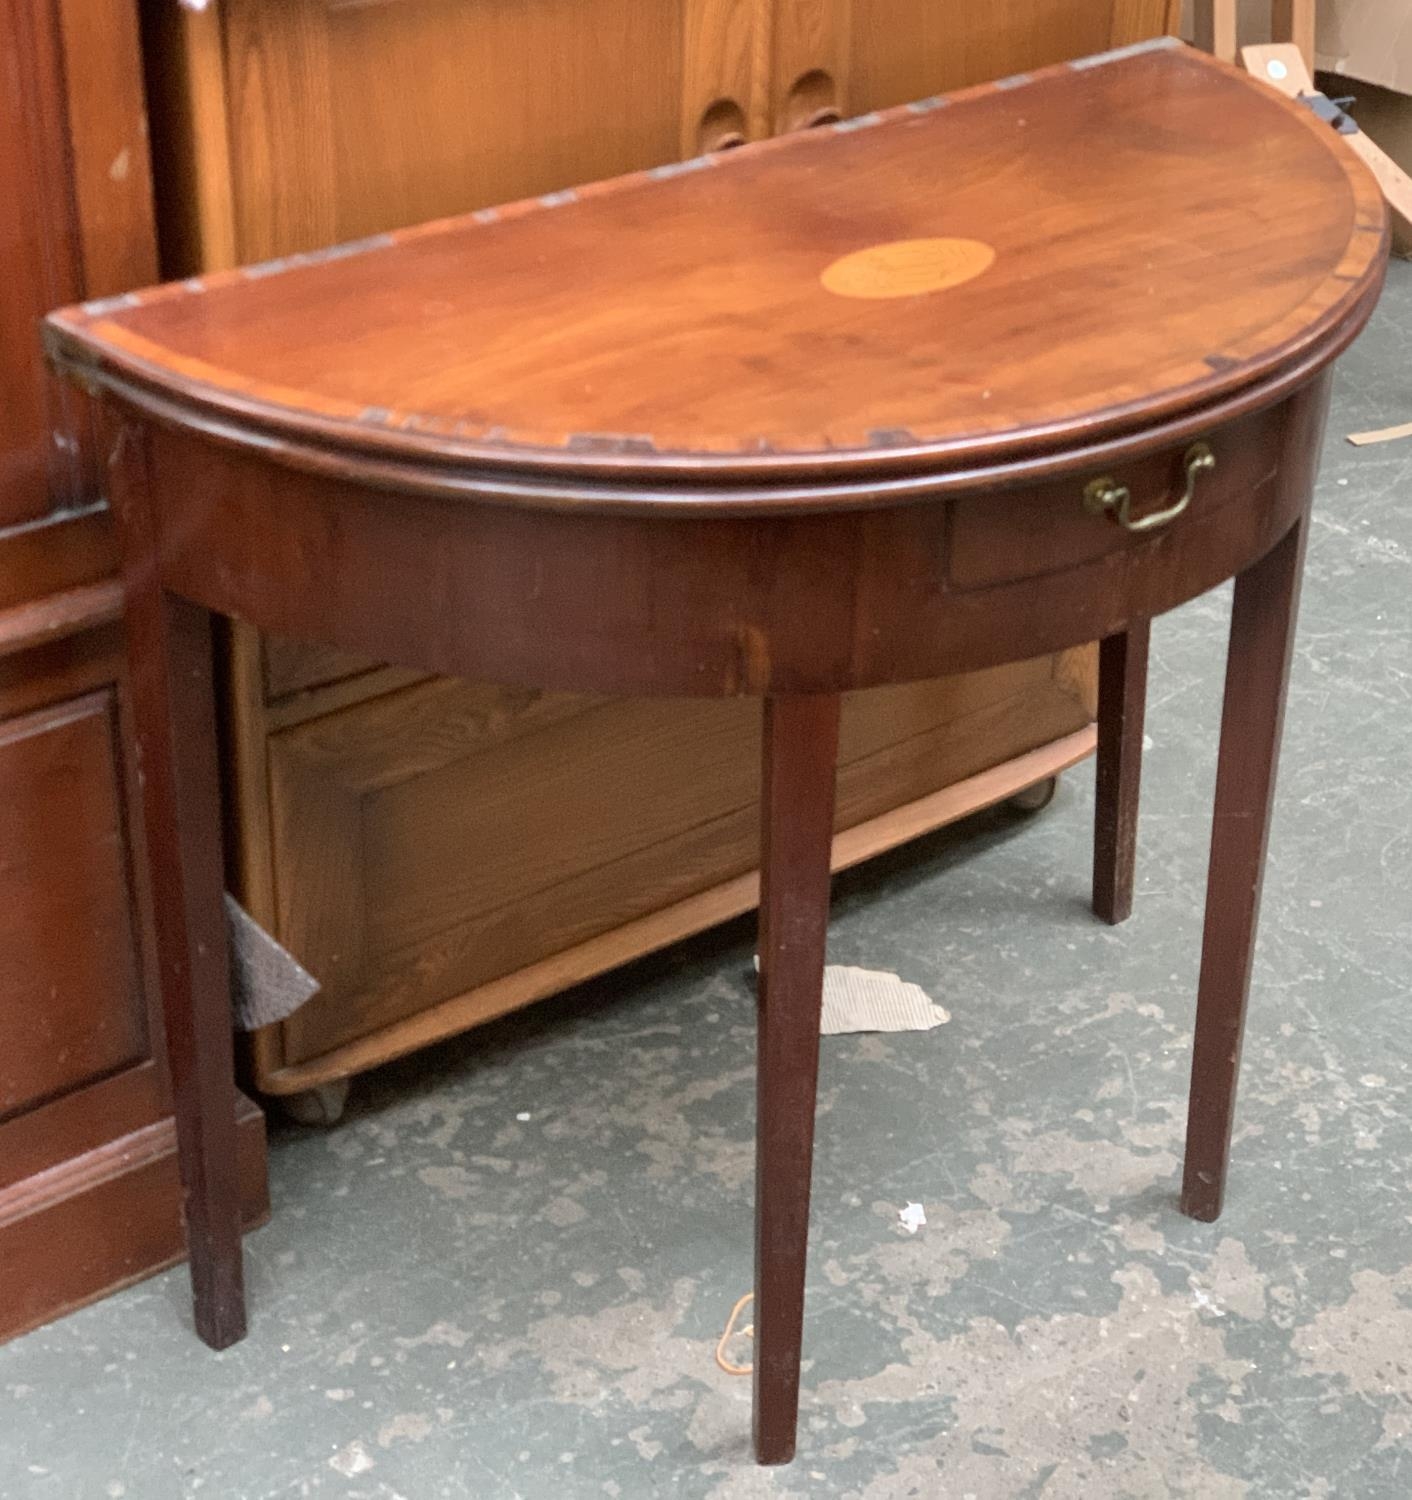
907 268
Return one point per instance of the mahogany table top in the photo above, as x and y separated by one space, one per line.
1019 267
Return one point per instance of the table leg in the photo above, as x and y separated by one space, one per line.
174 726
1122 704
1257 673
797 802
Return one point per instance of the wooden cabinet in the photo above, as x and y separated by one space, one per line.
439 852
295 123
488 845
88 1185
288 124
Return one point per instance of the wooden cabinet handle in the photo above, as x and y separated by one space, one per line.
722 128
812 101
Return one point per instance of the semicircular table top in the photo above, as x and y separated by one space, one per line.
1035 263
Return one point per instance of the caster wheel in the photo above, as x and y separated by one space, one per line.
1034 798
323 1105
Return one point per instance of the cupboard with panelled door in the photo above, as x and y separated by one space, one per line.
439 852
90 1198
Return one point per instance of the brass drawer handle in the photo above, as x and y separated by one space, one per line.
1102 495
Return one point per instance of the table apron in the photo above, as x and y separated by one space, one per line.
703 606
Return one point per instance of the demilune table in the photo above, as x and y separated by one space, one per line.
959 384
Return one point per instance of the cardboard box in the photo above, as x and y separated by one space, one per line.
1384 116
1367 46
1253 25
1370 40
1364 49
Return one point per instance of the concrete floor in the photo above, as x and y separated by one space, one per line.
504 1273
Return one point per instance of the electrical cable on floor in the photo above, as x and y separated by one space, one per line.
729 1366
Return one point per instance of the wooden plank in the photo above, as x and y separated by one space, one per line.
1215 28
1381 435
1293 21
1292 77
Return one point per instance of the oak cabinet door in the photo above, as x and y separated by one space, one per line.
71 1007
300 123
460 841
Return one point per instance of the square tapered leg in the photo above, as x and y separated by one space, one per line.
1252 719
173 720
797 804
1122 708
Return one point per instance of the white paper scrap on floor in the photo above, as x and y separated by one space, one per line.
872 1000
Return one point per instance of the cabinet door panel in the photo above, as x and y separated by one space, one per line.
811 61
70 1006
721 101
347 118
452 834
39 420
75 223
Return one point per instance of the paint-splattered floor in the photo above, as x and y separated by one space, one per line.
504 1274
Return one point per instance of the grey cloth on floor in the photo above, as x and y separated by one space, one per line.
267 982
